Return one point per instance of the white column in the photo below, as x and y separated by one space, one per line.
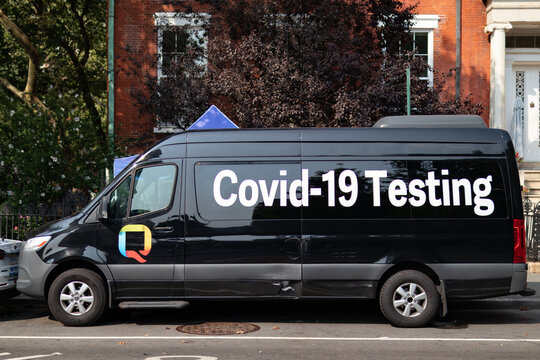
497 74
510 86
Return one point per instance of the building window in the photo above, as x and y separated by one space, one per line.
418 42
180 36
513 42
421 40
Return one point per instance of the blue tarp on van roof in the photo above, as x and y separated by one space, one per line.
213 118
120 163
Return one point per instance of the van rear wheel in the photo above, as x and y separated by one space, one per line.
77 297
409 298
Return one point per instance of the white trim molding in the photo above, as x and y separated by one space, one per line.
497 26
426 21
180 19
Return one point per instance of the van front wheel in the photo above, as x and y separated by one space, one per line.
409 298
77 297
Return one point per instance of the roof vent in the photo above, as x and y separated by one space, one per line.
431 121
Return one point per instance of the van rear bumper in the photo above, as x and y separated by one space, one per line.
519 278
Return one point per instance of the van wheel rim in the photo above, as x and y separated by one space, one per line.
76 298
410 300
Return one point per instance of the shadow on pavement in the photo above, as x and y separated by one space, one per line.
335 312
18 308
317 312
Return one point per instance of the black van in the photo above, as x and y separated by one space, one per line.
411 216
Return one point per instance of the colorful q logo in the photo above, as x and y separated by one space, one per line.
147 242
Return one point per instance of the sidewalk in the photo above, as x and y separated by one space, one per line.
534 267
533 277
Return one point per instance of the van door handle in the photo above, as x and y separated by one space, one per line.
163 229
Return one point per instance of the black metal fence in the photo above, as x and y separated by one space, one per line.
18 223
531 212
16 226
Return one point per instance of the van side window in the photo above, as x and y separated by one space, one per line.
152 189
118 203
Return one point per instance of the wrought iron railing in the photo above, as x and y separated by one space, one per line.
531 212
17 224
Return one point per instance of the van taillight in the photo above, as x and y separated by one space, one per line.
519 241
2 254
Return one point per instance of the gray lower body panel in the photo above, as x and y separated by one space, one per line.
243 280
470 281
342 280
462 281
243 272
519 278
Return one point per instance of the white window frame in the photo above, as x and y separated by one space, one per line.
427 23
192 21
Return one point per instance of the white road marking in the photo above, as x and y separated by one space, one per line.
35 356
5 354
193 357
270 338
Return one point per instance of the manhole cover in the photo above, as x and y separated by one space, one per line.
218 328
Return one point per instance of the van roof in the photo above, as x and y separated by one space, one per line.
431 121
339 135
342 142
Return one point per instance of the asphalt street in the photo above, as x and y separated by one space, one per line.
506 327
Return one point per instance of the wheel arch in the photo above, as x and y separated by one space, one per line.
73 264
410 265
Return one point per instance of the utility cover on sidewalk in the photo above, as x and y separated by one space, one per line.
213 118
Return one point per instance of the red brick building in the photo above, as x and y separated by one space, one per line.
438 19
496 46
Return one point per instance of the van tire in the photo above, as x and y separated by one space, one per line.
77 297
409 298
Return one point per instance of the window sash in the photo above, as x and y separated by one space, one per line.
426 23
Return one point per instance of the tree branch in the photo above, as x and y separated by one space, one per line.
29 99
24 41
12 88
84 87
82 27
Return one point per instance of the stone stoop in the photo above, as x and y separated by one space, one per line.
533 268
531 179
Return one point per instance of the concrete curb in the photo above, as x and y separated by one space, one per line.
534 267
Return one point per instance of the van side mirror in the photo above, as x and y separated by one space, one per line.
102 211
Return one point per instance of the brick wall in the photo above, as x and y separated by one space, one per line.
475 48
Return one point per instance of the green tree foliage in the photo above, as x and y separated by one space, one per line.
274 63
52 98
